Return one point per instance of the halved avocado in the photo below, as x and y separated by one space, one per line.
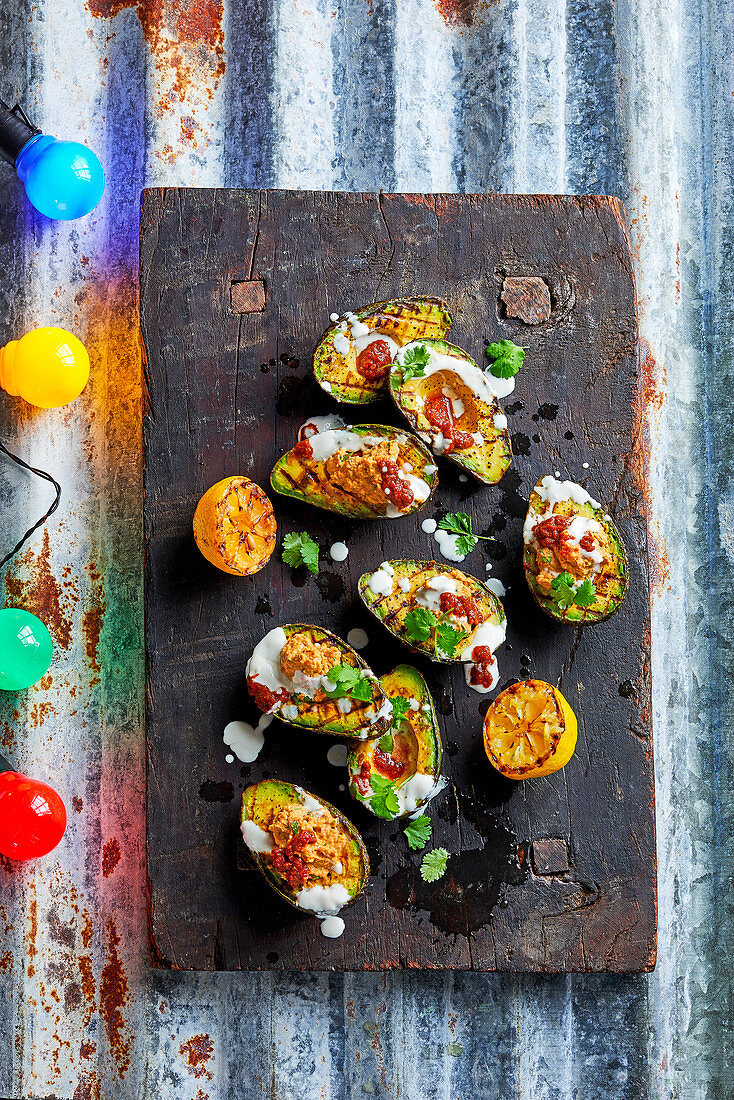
486 459
402 319
416 745
611 582
263 803
392 607
324 715
302 475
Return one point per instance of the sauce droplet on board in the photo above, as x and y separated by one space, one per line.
332 927
339 551
245 740
357 638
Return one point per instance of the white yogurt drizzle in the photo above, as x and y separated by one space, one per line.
350 330
487 634
430 595
447 544
482 384
553 492
324 901
257 839
332 927
317 424
339 551
245 740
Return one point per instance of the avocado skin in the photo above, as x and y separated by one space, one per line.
619 582
395 606
289 468
406 681
275 792
408 318
339 726
494 456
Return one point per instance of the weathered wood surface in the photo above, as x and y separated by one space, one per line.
555 874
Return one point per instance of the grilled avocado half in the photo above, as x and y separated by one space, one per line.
450 403
337 366
398 592
344 470
395 774
298 696
322 889
574 557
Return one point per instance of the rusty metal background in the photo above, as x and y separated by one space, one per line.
629 97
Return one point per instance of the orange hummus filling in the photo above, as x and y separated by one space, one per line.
309 846
557 553
359 473
304 654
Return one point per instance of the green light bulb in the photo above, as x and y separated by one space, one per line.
25 649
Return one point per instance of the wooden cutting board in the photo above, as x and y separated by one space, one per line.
236 288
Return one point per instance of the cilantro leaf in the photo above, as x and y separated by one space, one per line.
418 832
448 638
508 358
300 549
419 624
434 863
585 595
563 591
400 707
386 742
344 678
459 523
362 690
415 361
384 802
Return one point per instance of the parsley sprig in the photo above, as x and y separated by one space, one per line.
349 681
400 708
507 358
434 863
421 623
383 800
300 549
459 523
418 832
565 593
414 362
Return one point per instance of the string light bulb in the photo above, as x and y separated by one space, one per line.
32 815
26 649
62 179
48 367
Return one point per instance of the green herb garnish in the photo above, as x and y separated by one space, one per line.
418 832
387 742
400 708
448 638
415 361
419 624
362 690
508 358
459 523
384 802
434 863
300 549
585 595
348 680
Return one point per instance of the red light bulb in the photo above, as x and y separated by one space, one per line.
32 817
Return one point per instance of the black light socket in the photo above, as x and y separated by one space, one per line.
15 131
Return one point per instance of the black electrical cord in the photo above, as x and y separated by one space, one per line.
42 520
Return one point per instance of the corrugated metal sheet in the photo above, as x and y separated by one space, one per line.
627 97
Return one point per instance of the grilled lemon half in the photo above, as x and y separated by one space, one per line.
529 731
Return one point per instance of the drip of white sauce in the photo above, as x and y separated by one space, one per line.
447 545
429 526
317 424
500 421
381 582
229 758
495 670
553 492
323 900
418 790
357 638
430 469
332 927
333 316
463 478
403 584
585 465
337 755
245 740
482 384
327 443
344 705
487 634
257 839
430 596
339 551
496 586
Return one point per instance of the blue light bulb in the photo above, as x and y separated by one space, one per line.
63 179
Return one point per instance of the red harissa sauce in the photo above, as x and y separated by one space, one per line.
438 412
289 863
374 361
400 492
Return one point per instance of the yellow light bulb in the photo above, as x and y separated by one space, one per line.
47 367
